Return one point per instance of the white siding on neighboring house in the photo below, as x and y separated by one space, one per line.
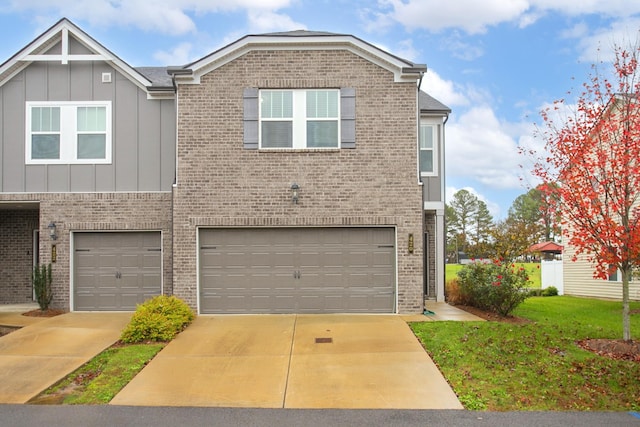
579 281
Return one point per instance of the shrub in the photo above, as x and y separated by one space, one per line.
41 279
452 292
551 291
535 292
158 319
498 287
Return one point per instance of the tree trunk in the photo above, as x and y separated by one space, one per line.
626 320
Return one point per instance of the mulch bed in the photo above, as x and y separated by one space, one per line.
44 313
494 317
613 349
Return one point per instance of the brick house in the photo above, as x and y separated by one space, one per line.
286 172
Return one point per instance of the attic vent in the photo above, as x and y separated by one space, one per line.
106 77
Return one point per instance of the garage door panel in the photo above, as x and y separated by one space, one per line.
116 270
301 270
153 262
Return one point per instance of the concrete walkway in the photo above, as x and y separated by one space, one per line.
293 361
46 350
443 311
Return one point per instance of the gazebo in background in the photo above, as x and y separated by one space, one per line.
547 250
550 264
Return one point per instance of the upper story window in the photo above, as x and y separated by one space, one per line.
429 142
68 132
300 118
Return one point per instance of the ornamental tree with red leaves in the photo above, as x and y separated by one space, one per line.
593 155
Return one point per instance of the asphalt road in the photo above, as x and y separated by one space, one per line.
90 416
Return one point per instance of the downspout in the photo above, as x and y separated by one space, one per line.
420 80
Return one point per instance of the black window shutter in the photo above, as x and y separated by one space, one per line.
250 118
347 117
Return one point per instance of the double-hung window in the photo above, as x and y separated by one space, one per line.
429 138
300 118
68 132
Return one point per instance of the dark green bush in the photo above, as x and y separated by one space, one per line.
551 291
41 279
535 292
498 287
159 319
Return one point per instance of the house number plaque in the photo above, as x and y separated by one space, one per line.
54 253
410 243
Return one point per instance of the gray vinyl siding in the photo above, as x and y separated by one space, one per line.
13 178
143 131
432 188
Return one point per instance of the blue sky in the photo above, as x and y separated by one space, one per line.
496 63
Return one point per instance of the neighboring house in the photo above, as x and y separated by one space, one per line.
578 277
293 172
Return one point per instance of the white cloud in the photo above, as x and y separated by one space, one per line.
462 50
579 30
478 147
406 50
599 45
164 16
376 21
618 8
470 15
181 54
445 91
262 21
476 17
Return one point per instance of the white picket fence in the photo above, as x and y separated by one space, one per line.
552 275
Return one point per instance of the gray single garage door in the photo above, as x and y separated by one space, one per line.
297 270
116 271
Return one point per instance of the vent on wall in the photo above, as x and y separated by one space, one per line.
106 77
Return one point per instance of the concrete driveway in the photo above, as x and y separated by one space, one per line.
293 361
35 357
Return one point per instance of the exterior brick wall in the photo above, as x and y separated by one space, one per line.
16 255
222 184
94 212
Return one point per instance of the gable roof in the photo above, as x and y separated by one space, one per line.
548 247
403 70
430 105
60 32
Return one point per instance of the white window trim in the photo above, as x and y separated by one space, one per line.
299 120
68 132
437 138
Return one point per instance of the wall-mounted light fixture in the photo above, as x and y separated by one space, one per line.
52 230
295 188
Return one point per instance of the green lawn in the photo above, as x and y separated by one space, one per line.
537 366
533 268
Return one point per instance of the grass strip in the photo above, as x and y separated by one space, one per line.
100 379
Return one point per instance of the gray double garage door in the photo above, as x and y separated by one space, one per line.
253 270
297 270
